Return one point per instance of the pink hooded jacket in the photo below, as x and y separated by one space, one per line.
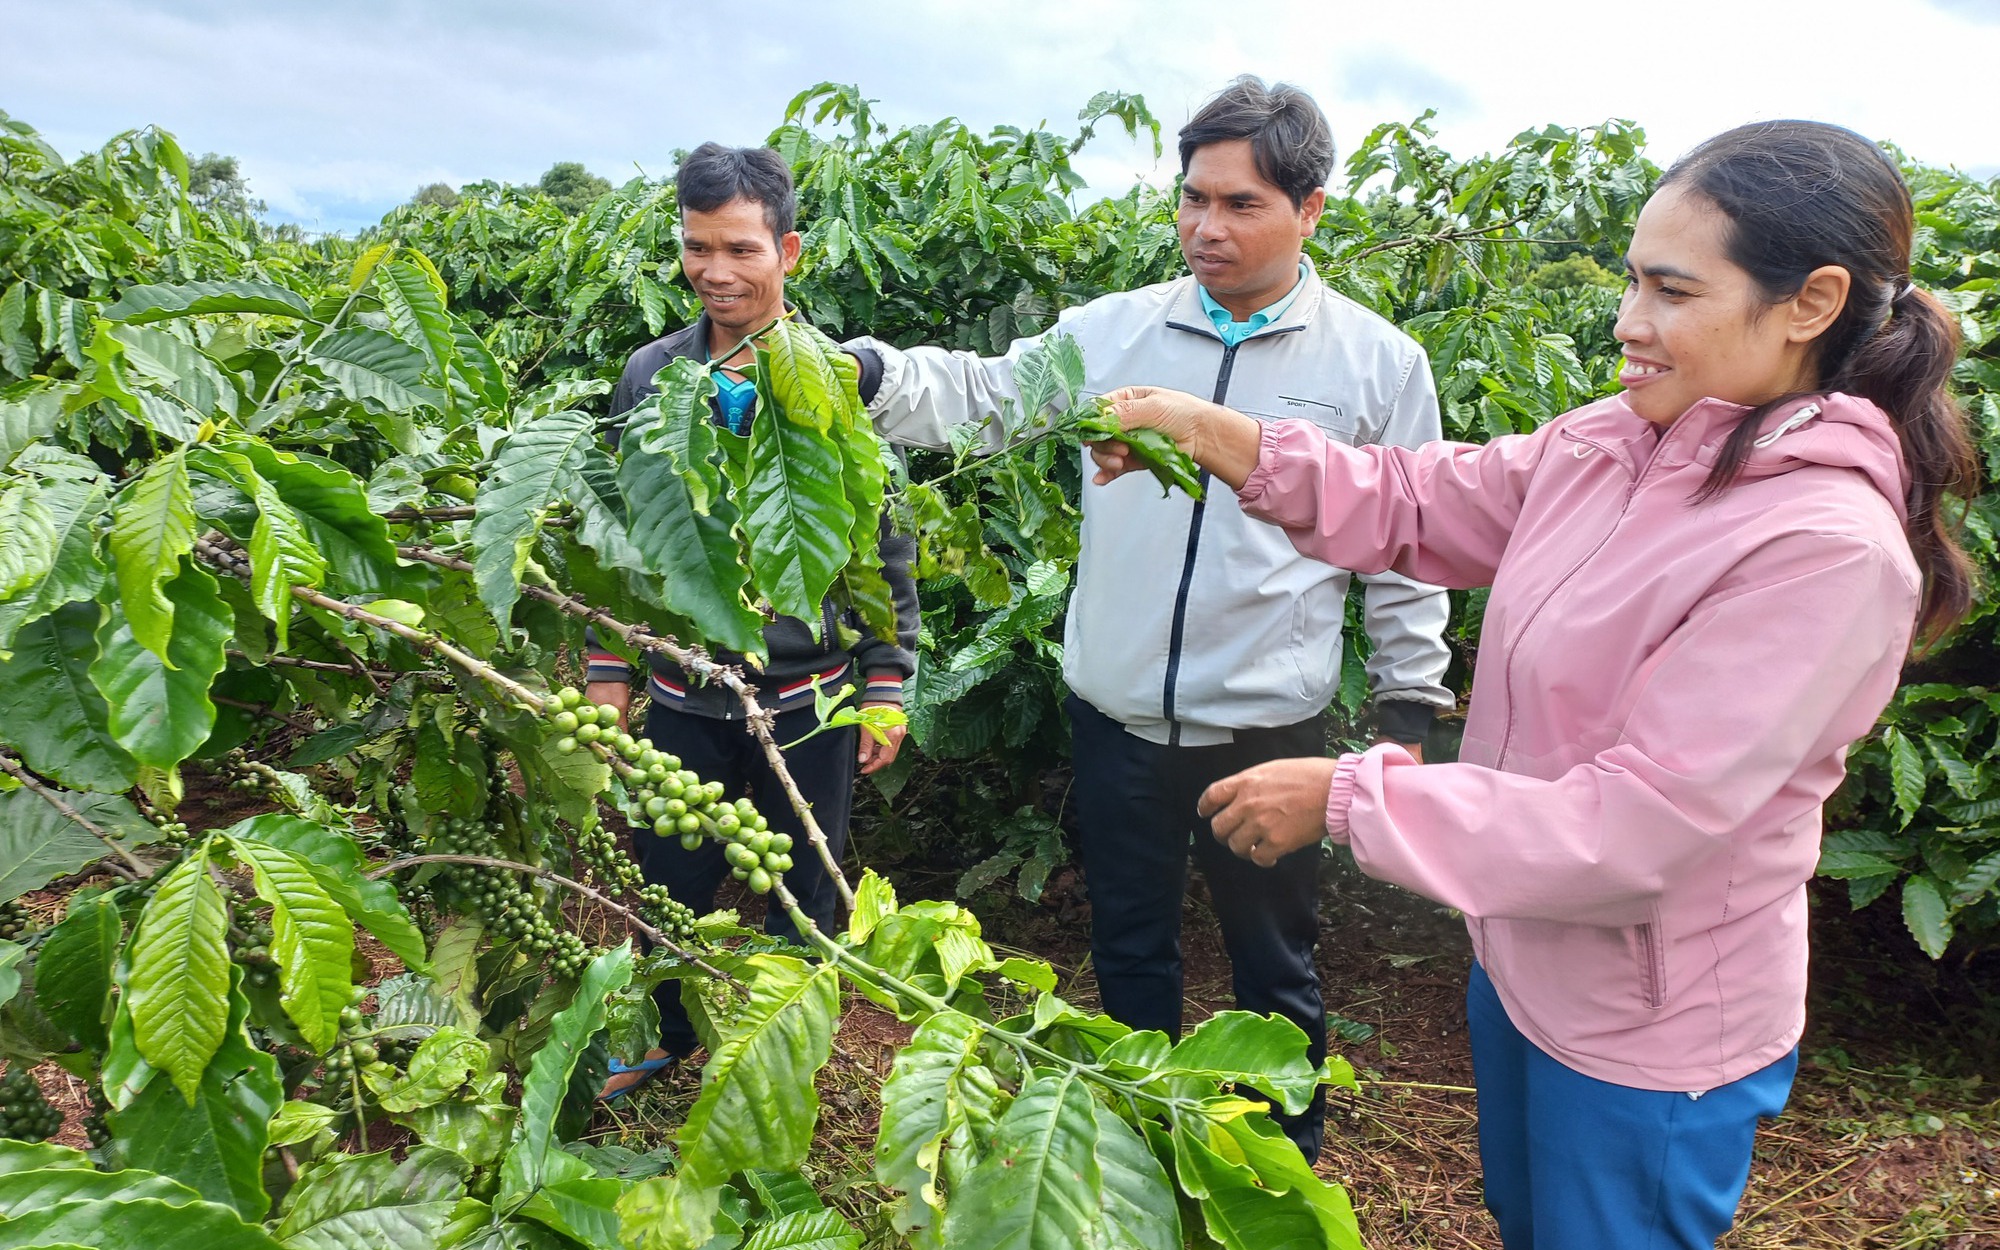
1663 699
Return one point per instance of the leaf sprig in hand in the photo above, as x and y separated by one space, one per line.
1162 457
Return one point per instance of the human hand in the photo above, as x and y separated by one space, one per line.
1267 812
875 754
1221 440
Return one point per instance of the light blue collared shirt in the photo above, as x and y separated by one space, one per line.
1234 332
736 399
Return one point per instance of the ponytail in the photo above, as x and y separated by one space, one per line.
1905 368
1800 195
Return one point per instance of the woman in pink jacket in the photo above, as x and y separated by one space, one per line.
1703 592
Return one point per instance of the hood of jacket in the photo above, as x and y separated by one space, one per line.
1837 431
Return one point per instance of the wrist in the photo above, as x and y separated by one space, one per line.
1227 444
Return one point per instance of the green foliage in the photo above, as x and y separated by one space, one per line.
40 842
364 1201
216 183
1170 466
1921 807
1574 271
177 992
573 188
435 195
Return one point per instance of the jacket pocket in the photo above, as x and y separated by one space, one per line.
1298 647
1651 951
1335 419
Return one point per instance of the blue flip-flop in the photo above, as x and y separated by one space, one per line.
651 1068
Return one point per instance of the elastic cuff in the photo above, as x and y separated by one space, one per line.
870 381
1340 796
1404 720
1267 465
603 666
884 688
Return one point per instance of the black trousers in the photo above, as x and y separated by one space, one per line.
1136 814
725 751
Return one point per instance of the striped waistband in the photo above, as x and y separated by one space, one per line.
783 698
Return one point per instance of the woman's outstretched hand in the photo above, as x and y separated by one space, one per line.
1222 441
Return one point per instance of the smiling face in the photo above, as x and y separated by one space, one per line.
1693 323
736 266
1240 234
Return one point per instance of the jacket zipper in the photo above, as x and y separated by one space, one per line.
1175 639
1631 492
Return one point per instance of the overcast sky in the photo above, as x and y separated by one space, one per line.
338 111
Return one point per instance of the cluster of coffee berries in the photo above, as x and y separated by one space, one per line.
172 832
598 848
671 800
97 1125
756 855
24 1113
336 1079
396 1051
349 1054
579 724
14 919
252 776
497 896
253 949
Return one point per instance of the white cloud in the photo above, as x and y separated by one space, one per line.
338 111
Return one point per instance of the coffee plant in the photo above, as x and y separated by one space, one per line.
308 530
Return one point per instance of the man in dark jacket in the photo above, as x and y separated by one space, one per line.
737 211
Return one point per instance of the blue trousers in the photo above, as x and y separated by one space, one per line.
1575 1163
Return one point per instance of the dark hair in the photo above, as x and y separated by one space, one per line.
1799 195
713 175
1288 135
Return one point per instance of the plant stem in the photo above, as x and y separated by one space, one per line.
229 562
449 512
859 970
693 661
265 709
318 666
456 512
360 1120
632 917
1040 434
1447 236
133 869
